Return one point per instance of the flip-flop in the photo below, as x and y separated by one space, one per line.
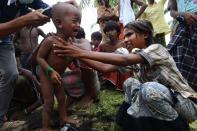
12 125
68 127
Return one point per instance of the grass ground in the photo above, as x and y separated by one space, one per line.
100 116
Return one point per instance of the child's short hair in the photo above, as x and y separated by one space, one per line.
111 25
96 35
81 34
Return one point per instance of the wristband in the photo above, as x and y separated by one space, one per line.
48 72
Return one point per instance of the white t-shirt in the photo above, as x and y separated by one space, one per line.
126 12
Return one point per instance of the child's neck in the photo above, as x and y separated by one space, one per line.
66 38
114 42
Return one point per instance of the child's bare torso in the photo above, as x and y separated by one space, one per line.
25 44
59 64
106 47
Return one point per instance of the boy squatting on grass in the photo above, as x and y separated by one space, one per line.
66 18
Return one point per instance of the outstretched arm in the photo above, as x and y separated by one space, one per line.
99 66
34 18
142 8
109 58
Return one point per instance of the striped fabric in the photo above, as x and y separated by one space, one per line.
183 48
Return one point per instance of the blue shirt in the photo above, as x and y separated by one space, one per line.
187 5
8 13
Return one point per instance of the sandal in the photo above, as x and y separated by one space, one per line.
68 127
12 125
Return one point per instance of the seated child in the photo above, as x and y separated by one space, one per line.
66 18
112 43
81 83
96 38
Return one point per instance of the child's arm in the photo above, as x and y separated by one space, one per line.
101 67
43 52
142 9
29 75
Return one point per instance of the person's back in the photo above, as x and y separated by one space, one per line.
155 14
28 39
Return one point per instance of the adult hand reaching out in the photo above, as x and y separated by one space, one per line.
62 49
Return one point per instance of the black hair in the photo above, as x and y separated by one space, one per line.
104 3
81 34
111 25
141 27
97 35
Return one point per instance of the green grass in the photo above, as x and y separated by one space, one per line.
100 116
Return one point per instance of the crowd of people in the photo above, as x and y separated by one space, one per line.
159 79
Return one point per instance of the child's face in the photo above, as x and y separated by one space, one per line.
112 35
71 23
134 40
95 42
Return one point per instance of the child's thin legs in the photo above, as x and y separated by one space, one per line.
60 95
47 92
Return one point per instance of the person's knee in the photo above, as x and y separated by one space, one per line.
130 83
151 91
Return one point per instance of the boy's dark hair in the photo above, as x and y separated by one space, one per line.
81 34
141 27
96 35
111 25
